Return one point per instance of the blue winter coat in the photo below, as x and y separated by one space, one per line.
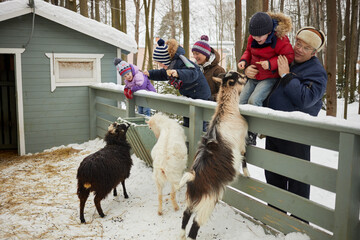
304 92
194 82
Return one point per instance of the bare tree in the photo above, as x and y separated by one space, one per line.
97 10
238 29
84 10
265 7
252 6
137 26
353 47
71 4
123 16
340 50
186 25
347 55
115 13
331 97
148 40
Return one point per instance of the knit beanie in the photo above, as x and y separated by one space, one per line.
260 24
202 46
121 66
312 36
161 53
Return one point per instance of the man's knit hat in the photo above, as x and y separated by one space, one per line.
202 46
121 66
260 24
312 36
161 53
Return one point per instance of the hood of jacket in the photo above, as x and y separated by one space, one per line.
175 50
284 24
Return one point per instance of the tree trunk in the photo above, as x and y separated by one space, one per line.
347 55
340 51
84 8
137 26
238 31
71 4
252 6
353 52
123 27
331 98
115 13
172 23
265 7
97 10
186 25
92 9
282 5
148 40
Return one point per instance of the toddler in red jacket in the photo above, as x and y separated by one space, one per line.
266 42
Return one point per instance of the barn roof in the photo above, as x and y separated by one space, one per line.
70 19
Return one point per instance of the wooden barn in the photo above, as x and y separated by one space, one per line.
48 57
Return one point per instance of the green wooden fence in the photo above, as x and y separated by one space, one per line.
250 195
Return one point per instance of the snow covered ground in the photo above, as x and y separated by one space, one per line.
38 201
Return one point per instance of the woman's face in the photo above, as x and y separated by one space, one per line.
199 57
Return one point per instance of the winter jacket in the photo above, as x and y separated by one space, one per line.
276 44
140 81
303 92
212 69
194 82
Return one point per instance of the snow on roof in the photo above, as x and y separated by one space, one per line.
70 19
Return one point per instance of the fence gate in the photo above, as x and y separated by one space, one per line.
8 124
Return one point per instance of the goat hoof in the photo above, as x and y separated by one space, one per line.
82 220
126 196
102 215
176 208
160 213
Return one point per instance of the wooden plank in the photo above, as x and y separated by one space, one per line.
298 133
348 189
270 216
295 168
299 206
111 110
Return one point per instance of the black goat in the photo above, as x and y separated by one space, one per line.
103 170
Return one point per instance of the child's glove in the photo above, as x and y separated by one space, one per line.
177 83
128 93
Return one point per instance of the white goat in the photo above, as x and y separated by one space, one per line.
219 156
169 155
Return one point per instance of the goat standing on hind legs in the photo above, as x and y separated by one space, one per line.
169 155
219 156
103 170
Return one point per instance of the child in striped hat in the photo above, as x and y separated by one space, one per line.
208 60
134 80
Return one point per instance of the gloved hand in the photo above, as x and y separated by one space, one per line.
128 93
177 83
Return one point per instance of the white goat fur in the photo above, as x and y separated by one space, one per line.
169 155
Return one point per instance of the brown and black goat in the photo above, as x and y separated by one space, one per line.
103 170
219 156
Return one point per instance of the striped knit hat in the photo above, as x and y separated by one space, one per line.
161 53
121 66
202 46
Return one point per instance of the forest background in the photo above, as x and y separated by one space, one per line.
227 20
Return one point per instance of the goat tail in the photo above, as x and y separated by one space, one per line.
244 167
187 177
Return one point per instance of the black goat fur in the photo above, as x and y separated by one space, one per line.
103 170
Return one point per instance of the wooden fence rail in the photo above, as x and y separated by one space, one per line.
250 195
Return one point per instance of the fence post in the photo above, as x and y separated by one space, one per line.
92 113
130 107
347 188
195 130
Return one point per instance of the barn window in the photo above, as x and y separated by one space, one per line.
74 69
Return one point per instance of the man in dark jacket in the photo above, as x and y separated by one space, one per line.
300 88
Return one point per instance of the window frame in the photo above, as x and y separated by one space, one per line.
73 57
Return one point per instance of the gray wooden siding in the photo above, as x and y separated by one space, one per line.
61 117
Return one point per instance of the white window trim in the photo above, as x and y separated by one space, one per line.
53 56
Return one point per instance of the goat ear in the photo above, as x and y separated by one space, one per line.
217 80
